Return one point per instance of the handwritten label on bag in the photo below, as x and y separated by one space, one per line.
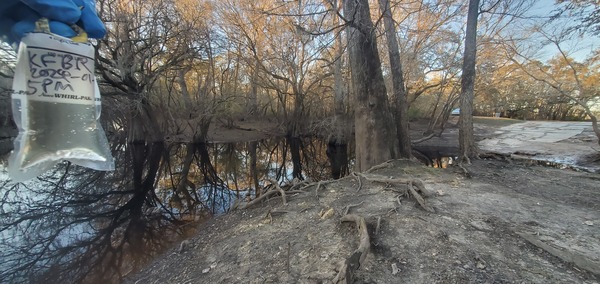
59 76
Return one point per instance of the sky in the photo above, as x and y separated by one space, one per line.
579 47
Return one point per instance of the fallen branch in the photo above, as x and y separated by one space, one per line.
357 258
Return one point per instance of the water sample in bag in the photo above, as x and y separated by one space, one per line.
56 106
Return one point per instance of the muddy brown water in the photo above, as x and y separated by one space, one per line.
114 223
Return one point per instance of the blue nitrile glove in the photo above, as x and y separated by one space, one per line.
18 17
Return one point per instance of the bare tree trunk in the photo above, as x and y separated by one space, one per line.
399 97
595 126
375 132
187 99
337 72
466 138
252 103
298 120
338 139
295 145
252 147
338 159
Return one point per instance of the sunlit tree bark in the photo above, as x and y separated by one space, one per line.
399 90
466 138
375 132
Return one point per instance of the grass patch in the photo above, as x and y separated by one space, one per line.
495 121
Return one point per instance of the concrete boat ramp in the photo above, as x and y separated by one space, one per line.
567 143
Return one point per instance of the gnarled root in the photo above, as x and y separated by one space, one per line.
272 191
416 188
357 258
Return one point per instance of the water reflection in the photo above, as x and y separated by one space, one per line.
436 157
77 225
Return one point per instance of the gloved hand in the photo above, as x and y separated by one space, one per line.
18 17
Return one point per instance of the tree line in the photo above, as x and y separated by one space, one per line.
168 68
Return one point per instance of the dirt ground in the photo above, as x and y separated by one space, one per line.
503 222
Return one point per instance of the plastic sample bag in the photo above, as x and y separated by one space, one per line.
56 106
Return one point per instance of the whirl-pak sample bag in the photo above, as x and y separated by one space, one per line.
56 106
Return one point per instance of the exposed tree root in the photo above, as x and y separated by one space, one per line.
421 188
278 188
322 182
416 188
420 200
359 181
378 226
357 258
466 172
317 190
380 166
271 191
350 206
260 198
305 183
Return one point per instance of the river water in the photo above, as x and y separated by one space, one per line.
77 225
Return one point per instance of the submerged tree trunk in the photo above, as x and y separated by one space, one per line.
252 149
375 132
295 146
338 159
466 138
252 102
182 186
399 97
146 159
